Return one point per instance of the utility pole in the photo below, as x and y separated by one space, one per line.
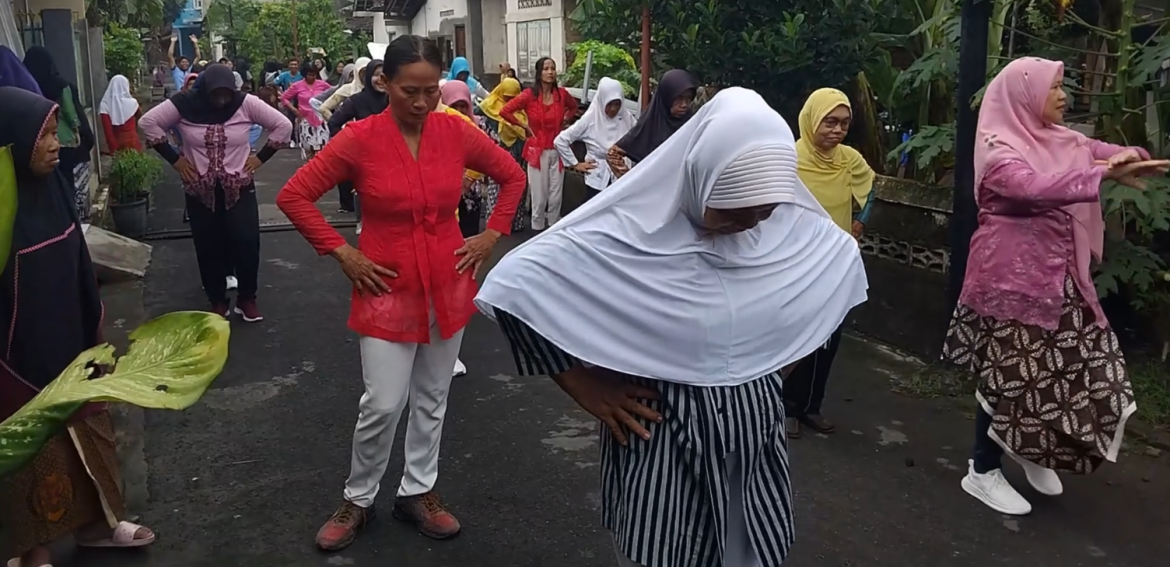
975 18
645 55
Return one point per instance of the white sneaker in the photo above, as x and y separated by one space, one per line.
460 368
232 282
994 490
1045 481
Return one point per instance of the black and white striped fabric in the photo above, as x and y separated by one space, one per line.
666 499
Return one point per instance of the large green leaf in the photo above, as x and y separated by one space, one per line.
7 204
171 362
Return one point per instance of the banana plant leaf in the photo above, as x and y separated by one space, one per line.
7 204
170 364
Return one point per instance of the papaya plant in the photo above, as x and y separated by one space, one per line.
171 362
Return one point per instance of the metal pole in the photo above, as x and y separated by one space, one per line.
645 55
975 19
588 71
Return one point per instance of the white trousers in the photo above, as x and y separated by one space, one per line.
738 550
395 374
546 187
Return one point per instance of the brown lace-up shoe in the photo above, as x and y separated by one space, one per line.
427 513
343 526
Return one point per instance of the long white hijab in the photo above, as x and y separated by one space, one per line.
603 131
628 282
117 101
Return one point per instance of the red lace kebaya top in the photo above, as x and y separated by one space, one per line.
123 137
545 120
408 216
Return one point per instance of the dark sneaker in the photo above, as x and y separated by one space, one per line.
343 526
818 423
427 513
221 308
792 427
247 309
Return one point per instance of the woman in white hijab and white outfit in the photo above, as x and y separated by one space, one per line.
668 307
604 123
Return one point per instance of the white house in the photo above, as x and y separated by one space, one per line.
535 29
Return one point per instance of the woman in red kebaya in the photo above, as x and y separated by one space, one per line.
413 277
120 112
548 107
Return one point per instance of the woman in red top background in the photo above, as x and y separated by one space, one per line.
413 276
119 113
549 108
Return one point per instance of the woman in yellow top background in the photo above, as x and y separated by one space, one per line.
510 137
838 177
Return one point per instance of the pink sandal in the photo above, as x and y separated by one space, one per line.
123 536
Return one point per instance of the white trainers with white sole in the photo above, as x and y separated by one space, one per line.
994 490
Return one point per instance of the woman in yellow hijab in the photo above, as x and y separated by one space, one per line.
837 176
508 136
507 90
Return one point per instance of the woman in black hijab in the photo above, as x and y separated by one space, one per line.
74 132
52 312
369 101
669 109
217 168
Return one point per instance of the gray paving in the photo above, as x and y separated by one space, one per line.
247 476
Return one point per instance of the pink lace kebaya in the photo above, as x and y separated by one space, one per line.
1038 193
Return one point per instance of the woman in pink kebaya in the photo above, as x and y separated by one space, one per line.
1052 388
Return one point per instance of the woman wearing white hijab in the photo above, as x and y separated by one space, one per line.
667 307
119 115
347 90
604 123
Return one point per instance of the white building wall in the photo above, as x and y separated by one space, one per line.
495 35
549 10
429 20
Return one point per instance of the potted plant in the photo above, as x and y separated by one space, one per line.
132 178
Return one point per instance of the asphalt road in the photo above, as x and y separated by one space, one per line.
245 478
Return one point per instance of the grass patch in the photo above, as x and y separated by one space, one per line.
1151 387
935 381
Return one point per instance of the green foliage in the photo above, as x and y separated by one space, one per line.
261 31
170 364
133 175
783 50
929 145
124 51
608 61
133 13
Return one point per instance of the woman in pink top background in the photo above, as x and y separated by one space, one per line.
216 165
311 128
1052 387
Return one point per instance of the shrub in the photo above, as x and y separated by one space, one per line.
125 54
133 175
608 61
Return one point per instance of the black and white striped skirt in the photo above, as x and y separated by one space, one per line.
710 488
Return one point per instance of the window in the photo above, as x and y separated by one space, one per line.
533 41
198 4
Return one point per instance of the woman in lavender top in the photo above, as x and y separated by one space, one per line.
216 164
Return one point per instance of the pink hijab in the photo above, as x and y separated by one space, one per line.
455 91
1010 127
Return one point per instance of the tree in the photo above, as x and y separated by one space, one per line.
123 48
783 50
268 33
